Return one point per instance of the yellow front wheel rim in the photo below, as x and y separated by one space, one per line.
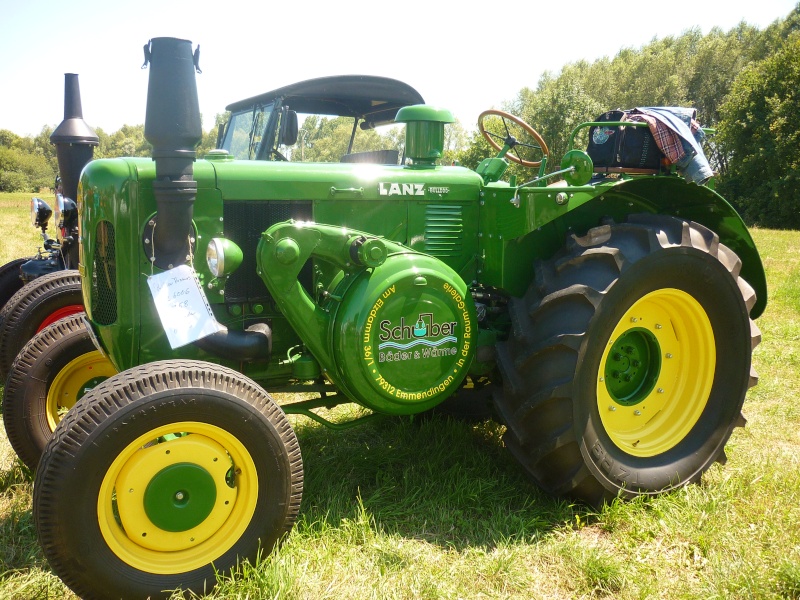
76 378
143 527
656 373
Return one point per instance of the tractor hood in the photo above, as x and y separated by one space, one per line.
258 180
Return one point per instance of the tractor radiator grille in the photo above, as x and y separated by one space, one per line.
444 229
104 275
244 222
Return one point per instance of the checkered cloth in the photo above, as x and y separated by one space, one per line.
667 140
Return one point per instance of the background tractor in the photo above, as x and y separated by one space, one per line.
39 290
606 316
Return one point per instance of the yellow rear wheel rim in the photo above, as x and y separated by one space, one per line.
656 373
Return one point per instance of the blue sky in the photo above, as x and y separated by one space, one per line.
463 58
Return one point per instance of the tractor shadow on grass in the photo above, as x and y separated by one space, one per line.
440 480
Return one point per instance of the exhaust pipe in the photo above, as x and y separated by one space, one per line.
74 141
73 138
172 126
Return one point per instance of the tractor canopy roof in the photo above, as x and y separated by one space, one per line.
368 98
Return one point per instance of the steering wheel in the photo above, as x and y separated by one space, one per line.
509 145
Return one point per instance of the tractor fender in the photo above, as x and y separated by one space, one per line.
673 196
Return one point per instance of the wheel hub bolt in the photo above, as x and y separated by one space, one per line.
637 412
179 496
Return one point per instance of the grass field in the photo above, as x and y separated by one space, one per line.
438 509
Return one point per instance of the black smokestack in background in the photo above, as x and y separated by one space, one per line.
172 126
73 138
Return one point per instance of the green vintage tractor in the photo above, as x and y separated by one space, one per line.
606 316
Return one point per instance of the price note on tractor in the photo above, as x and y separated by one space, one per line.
182 306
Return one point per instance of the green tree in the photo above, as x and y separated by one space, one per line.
557 107
324 139
23 171
760 130
476 150
126 141
688 70
9 139
455 139
41 145
209 141
719 58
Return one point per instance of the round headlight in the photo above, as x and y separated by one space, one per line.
215 257
40 212
69 212
223 257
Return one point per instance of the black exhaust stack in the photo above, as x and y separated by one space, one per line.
74 141
73 138
172 126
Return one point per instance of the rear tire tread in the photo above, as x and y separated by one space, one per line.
533 360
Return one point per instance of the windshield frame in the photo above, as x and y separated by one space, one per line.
259 123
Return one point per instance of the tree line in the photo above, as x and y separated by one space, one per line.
28 164
743 83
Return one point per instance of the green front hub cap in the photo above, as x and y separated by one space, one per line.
168 501
632 366
180 497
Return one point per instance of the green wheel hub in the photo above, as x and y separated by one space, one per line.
180 497
632 366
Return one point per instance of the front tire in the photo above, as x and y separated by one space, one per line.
36 305
55 369
174 471
10 280
629 360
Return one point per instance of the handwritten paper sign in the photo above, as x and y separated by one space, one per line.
182 306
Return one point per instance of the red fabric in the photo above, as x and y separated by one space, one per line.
667 140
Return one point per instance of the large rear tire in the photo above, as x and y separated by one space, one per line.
629 360
163 476
36 305
10 281
55 369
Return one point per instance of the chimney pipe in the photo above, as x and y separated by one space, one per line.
73 138
172 126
